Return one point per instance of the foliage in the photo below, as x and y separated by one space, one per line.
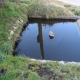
77 12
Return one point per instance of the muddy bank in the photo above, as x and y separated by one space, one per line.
18 36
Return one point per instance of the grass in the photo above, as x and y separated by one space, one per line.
9 15
18 68
48 10
74 9
13 15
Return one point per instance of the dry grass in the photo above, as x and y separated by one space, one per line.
48 9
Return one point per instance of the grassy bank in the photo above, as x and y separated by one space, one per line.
22 68
13 15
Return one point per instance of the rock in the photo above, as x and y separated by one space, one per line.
71 63
42 61
15 27
11 32
20 21
61 62
51 35
42 24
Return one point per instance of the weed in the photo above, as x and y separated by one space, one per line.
77 12
33 76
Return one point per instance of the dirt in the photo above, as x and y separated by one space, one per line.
45 73
17 38
3 72
25 76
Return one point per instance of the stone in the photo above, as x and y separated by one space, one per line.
20 20
61 62
15 27
11 32
42 24
51 35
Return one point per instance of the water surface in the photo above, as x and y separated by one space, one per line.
36 43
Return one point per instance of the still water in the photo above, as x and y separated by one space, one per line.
36 43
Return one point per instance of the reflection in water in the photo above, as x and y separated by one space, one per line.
35 41
40 40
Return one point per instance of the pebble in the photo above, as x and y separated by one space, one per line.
11 32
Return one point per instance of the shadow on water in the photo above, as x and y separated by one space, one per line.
36 43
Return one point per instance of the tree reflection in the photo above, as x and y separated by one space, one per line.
40 40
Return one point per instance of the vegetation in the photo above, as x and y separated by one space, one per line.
49 10
13 15
22 68
74 9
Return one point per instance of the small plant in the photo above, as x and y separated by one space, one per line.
2 57
6 48
33 76
67 5
77 12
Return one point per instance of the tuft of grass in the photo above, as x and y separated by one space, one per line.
74 9
77 12
33 76
17 68
2 57
6 48
66 72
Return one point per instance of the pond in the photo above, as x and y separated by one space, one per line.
35 41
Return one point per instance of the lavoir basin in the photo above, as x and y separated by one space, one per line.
35 41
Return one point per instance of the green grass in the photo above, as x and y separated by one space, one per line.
9 14
17 68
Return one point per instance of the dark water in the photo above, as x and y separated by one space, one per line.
36 43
